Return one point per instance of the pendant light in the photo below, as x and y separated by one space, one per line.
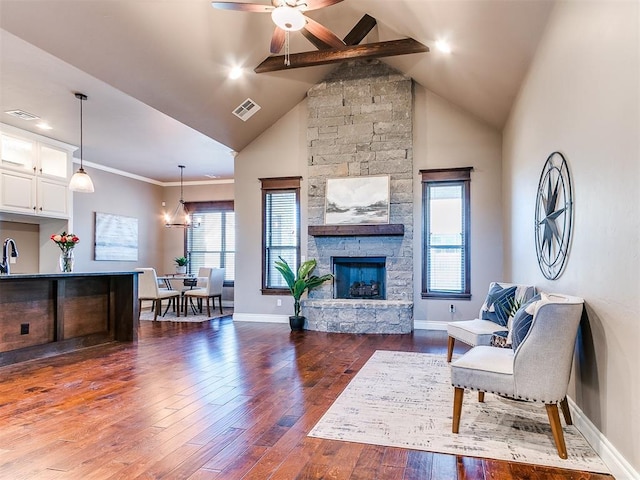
180 217
81 181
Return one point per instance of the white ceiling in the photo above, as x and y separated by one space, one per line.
156 71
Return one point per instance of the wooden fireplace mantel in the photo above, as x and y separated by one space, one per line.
394 229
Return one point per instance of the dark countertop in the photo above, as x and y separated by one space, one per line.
27 276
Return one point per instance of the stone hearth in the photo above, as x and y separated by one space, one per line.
359 316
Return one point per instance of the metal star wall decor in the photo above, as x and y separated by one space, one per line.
553 219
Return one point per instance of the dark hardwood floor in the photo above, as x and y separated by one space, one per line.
216 400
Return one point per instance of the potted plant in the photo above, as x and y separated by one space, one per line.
181 264
298 284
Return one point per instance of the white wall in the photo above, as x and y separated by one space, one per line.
117 195
280 151
446 137
26 237
581 97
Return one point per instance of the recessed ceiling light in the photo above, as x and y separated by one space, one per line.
211 175
44 126
235 73
443 46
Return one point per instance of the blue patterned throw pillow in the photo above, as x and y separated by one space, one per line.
498 304
522 320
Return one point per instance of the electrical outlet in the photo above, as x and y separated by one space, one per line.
278 302
13 260
452 308
24 329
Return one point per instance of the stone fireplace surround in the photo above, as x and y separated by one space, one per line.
360 123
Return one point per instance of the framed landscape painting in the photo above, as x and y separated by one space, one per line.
357 200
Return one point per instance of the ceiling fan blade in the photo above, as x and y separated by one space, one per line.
316 4
277 40
321 34
243 7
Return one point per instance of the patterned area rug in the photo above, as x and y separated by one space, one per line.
403 399
191 318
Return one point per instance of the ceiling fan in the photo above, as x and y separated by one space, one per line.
288 15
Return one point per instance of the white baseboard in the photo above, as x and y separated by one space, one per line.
620 468
260 317
429 325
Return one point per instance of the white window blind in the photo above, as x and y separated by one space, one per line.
281 234
212 244
280 229
446 242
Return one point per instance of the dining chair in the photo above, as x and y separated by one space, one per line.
148 289
212 290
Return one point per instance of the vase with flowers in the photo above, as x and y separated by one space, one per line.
66 242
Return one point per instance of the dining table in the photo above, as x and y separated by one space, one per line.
187 280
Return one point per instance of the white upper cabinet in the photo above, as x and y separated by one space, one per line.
34 174
54 162
18 153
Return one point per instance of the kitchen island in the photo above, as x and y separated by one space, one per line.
51 313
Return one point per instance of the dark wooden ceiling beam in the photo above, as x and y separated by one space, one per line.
335 55
354 37
361 30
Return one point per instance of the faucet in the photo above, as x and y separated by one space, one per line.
5 265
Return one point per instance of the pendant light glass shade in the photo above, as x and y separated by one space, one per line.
81 181
180 217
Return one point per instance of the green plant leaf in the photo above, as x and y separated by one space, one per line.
301 282
306 268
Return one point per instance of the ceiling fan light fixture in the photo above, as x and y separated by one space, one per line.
288 18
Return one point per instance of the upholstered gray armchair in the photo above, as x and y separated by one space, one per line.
493 316
536 369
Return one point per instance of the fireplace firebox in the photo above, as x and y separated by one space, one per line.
359 277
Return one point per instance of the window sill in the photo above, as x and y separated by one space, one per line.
447 296
275 291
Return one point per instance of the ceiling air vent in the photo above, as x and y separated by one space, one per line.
246 110
22 114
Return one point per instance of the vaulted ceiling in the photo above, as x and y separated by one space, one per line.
156 71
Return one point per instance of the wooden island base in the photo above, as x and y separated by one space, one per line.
48 314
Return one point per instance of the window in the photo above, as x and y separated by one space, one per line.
213 242
446 207
280 230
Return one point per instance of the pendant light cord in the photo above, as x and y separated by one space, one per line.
287 53
81 139
181 172
82 97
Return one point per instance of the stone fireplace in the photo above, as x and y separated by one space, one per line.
360 124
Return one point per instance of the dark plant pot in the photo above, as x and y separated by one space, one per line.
296 323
